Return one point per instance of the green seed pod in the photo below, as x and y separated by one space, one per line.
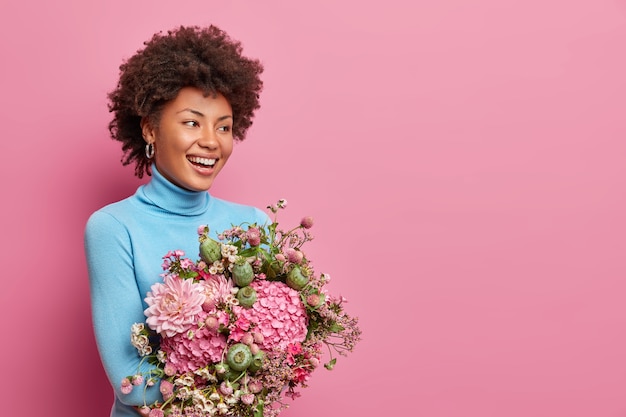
257 361
210 250
246 296
242 274
239 357
297 278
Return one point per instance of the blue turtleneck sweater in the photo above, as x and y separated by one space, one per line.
124 246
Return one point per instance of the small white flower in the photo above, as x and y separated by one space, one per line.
184 381
228 251
183 393
137 328
203 373
145 351
222 408
139 341
216 268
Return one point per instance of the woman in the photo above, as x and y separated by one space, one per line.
179 104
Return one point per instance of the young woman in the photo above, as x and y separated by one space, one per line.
179 104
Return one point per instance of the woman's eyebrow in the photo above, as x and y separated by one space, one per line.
196 112
200 114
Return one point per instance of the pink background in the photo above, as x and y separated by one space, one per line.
465 162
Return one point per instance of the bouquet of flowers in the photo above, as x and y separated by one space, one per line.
231 333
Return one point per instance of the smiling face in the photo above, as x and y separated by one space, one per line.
193 139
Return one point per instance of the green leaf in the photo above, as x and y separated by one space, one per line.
259 409
336 328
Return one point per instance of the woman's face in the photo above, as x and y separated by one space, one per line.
193 139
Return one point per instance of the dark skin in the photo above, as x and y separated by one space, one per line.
204 58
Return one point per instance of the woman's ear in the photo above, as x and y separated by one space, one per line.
147 131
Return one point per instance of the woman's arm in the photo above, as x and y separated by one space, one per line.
116 303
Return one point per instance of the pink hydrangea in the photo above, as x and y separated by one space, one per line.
174 305
194 350
278 313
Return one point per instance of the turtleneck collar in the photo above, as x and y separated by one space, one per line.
171 198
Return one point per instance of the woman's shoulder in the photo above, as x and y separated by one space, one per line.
114 209
112 215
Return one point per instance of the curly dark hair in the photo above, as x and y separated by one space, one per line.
205 58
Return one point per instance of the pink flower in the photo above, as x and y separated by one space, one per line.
186 263
167 389
307 222
211 322
294 256
255 386
300 375
294 348
137 379
187 354
169 369
247 398
216 288
313 300
278 313
156 412
144 411
126 386
174 305
223 318
254 236
226 388
243 323
247 339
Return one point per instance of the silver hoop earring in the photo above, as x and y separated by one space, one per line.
149 150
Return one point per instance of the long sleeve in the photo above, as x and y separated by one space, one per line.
116 303
124 245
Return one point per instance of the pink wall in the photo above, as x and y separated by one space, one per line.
465 162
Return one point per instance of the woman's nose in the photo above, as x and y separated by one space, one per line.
208 139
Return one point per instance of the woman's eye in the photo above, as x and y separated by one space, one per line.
191 123
224 128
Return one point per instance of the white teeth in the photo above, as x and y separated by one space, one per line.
202 161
